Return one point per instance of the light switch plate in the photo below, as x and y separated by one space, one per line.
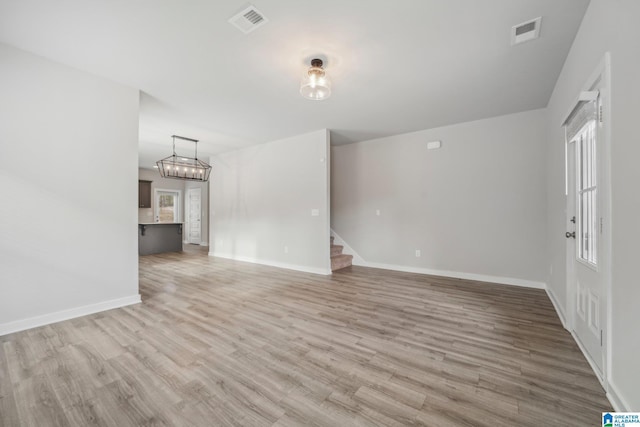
315 212
433 145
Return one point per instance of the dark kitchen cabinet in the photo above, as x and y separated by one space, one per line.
144 194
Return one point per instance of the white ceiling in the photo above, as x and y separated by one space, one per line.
396 66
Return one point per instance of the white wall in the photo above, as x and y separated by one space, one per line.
608 25
68 171
476 206
262 198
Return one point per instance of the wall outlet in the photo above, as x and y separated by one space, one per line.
418 253
377 212
315 212
286 249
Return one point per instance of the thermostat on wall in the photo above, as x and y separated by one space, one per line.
433 145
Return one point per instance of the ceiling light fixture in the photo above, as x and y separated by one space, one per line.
315 82
189 168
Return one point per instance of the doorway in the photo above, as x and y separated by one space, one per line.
194 216
588 220
167 206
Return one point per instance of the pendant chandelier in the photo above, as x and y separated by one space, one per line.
315 82
188 168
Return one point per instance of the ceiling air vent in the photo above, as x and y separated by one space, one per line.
248 19
526 31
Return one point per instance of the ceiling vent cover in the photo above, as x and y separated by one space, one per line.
526 31
248 19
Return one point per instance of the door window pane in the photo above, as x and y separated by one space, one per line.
167 207
587 213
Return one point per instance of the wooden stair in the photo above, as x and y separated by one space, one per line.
338 259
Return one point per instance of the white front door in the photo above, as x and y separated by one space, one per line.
194 232
587 213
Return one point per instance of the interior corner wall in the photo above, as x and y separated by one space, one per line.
475 207
68 172
264 200
608 26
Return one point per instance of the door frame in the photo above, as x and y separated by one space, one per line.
187 215
156 212
602 73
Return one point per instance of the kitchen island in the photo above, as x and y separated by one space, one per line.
159 237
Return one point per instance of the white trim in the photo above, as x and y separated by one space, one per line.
458 275
613 395
584 96
187 213
186 242
59 316
616 400
296 267
359 261
586 355
179 203
558 307
601 73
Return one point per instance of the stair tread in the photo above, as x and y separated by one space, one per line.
338 259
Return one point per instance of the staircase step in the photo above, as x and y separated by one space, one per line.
341 261
336 250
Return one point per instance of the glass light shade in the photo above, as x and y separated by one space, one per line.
315 82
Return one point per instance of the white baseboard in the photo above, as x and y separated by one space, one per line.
558 307
296 267
590 361
613 395
457 275
186 242
358 260
616 400
59 316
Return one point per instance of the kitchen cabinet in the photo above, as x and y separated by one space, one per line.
144 194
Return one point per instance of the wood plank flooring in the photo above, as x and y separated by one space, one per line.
224 343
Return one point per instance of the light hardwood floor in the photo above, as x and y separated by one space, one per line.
218 342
